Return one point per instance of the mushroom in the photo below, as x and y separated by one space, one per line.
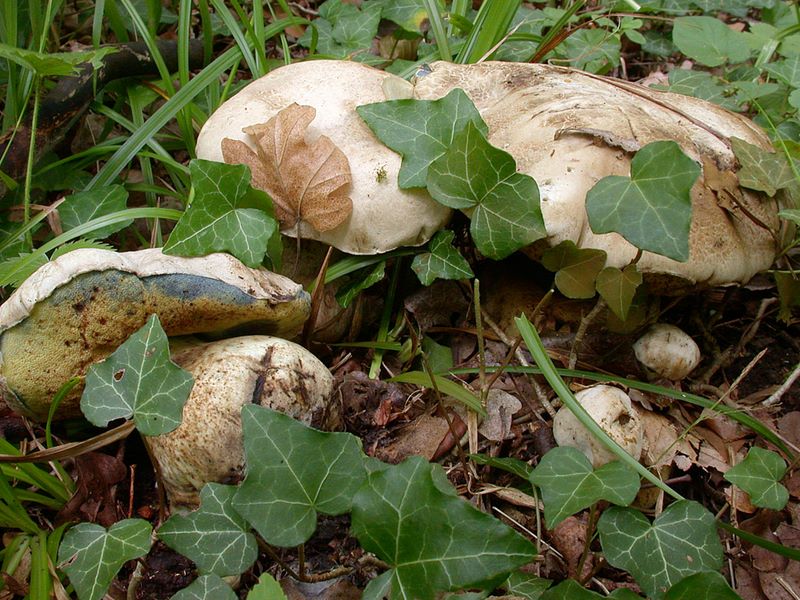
76 310
383 216
611 408
568 129
667 351
228 374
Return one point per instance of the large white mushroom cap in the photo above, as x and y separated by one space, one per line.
384 217
568 129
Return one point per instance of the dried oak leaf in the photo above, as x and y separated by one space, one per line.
308 182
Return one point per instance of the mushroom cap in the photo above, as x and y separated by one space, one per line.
384 217
568 129
228 374
77 309
668 351
611 408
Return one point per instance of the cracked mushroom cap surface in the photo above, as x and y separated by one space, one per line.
228 374
77 309
383 216
568 129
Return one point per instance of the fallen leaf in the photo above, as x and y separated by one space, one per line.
308 182
501 407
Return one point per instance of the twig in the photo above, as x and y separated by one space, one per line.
582 329
541 395
778 394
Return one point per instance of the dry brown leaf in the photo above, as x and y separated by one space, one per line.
308 182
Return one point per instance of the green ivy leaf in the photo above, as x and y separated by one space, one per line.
266 589
569 589
342 28
215 536
759 475
704 85
411 15
576 268
434 541
786 70
53 65
680 542
420 130
473 174
206 587
526 585
293 472
702 586
652 208
761 170
569 484
138 380
226 215
618 288
82 207
442 262
92 556
709 41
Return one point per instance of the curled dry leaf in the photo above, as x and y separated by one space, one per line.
307 181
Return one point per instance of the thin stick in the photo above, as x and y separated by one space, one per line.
778 394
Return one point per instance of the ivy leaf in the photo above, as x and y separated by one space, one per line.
420 130
266 589
215 537
576 268
618 288
284 489
652 208
786 70
569 589
307 182
761 170
82 207
473 174
411 15
759 475
702 586
680 542
526 586
206 587
434 541
342 28
57 64
138 380
226 215
442 262
92 556
569 484
709 41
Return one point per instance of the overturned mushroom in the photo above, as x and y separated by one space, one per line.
668 351
611 408
228 374
309 107
569 129
77 309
